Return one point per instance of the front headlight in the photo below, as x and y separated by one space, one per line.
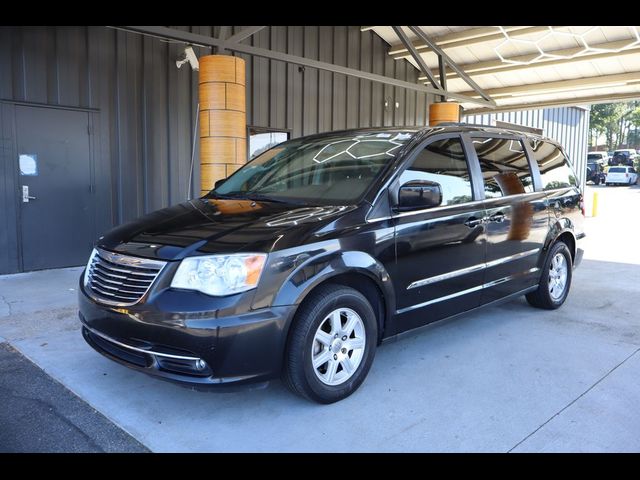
220 275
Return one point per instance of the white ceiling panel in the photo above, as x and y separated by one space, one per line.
576 52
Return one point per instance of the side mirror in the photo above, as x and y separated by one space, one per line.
219 182
419 194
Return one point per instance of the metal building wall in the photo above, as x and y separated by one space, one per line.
143 107
567 125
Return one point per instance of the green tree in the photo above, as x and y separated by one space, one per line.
618 122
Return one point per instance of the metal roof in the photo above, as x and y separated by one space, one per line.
522 67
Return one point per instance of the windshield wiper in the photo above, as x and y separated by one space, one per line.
259 196
229 196
255 196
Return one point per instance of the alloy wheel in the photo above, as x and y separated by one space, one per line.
558 276
338 346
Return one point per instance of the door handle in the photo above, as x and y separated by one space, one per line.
25 194
497 217
473 222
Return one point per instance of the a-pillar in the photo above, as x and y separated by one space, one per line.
223 119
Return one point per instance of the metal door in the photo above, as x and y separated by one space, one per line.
54 187
440 251
516 222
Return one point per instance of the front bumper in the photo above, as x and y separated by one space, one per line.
238 349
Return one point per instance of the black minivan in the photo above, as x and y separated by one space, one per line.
311 255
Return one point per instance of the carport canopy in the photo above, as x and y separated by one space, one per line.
524 67
487 68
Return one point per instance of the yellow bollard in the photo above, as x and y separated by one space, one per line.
594 207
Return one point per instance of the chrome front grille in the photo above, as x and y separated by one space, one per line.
117 279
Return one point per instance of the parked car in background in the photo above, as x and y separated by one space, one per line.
623 156
306 258
621 176
596 173
598 157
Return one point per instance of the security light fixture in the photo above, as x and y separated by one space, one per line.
188 56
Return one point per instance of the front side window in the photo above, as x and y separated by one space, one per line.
444 162
332 169
504 166
554 166
261 140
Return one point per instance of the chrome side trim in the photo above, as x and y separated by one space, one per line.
136 349
471 269
517 256
438 209
515 198
446 276
467 291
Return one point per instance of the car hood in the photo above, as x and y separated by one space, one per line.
220 226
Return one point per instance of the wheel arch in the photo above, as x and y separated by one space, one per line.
357 270
561 230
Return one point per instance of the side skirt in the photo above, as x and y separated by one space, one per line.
499 301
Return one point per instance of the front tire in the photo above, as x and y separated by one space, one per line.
555 281
331 345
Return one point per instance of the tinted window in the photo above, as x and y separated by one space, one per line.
617 170
444 162
554 167
504 166
331 169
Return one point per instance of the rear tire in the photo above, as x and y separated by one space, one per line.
331 345
555 281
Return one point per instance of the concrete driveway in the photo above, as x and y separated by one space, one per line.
507 378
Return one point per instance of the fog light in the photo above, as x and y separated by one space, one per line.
201 364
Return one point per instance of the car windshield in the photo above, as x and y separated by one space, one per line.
617 170
594 156
332 169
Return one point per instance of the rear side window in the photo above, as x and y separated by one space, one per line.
504 166
554 166
444 162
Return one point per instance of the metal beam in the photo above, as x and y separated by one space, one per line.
417 57
367 28
466 38
583 83
496 66
244 34
223 34
423 36
442 68
573 102
205 41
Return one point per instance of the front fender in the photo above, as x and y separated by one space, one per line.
320 269
307 269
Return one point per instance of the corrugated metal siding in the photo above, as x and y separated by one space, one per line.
567 125
144 107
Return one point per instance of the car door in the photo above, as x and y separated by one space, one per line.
439 251
517 220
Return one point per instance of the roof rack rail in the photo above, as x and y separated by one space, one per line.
499 125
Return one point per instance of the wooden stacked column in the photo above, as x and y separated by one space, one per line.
223 122
444 112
